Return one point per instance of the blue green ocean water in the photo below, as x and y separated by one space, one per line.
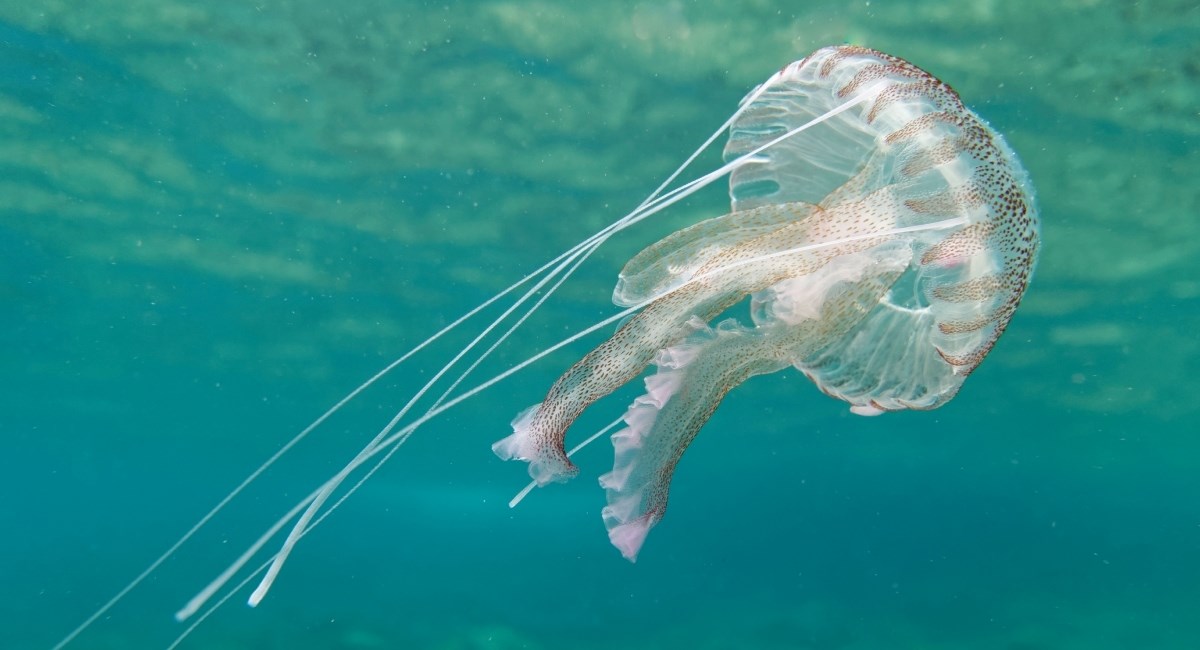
218 218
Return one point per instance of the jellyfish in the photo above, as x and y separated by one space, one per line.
883 253
881 233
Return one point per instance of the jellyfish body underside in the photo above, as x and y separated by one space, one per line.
884 256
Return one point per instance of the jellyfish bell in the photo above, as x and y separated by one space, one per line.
934 170
882 233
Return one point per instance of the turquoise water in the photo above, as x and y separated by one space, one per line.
218 218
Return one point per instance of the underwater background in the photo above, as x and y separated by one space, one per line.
217 218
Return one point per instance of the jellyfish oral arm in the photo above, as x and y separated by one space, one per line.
696 374
538 432
693 377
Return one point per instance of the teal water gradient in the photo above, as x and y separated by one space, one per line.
216 219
